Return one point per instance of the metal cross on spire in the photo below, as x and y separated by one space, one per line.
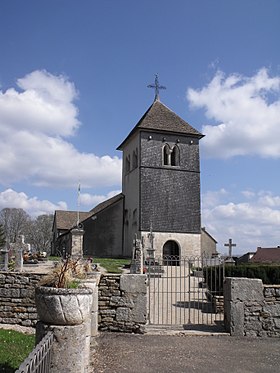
157 87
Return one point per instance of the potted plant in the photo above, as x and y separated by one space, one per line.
60 297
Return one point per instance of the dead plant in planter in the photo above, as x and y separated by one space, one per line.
67 274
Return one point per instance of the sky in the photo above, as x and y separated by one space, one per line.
73 83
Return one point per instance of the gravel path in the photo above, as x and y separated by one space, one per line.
18 328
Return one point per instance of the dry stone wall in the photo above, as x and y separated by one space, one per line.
251 309
123 303
17 298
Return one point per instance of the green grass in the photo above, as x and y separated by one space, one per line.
54 258
112 265
15 347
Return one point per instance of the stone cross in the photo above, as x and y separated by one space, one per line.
157 87
137 259
230 245
150 249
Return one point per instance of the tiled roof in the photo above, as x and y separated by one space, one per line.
160 118
68 219
266 255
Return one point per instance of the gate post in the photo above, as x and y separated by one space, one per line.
237 291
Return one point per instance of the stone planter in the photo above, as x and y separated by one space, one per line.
59 306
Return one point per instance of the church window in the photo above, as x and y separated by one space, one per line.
135 159
166 155
175 156
170 155
127 164
134 216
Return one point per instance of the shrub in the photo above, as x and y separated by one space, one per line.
269 274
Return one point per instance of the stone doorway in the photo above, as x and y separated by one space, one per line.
171 253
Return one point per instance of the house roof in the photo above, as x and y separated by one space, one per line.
266 255
160 118
67 219
208 234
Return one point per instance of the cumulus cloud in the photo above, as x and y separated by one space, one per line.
92 200
246 112
33 206
251 222
35 123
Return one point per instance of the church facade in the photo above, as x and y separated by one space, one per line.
160 193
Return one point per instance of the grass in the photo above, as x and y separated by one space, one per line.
54 258
112 265
15 347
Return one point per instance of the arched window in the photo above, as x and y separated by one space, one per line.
171 156
175 156
167 155
127 164
135 159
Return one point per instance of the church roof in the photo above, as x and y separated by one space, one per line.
160 118
103 205
68 219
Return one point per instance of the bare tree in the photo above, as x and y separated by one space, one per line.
40 233
14 222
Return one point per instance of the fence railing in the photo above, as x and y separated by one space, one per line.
38 361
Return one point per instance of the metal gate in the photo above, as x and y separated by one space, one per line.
185 291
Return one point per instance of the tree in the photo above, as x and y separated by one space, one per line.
2 237
39 233
14 222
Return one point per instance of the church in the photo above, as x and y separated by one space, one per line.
160 194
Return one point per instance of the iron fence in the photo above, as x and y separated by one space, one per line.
39 359
185 291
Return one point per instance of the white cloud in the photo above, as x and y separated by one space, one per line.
252 222
34 124
33 206
91 200
247 113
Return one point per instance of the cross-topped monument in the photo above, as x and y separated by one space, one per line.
230 245
157 87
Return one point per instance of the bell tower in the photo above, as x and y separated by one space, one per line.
161 181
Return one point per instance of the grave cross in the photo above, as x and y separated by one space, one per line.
157 87
230 245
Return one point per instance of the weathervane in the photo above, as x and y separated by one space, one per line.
157 87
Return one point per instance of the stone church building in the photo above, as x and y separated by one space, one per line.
160 194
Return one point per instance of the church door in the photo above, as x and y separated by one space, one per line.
171 253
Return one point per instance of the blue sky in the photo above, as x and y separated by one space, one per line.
73 81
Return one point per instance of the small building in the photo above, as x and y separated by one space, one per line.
246 258
208 244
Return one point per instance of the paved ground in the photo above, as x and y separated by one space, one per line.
118 353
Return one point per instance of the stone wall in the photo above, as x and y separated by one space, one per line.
123 303
17 298
251 309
